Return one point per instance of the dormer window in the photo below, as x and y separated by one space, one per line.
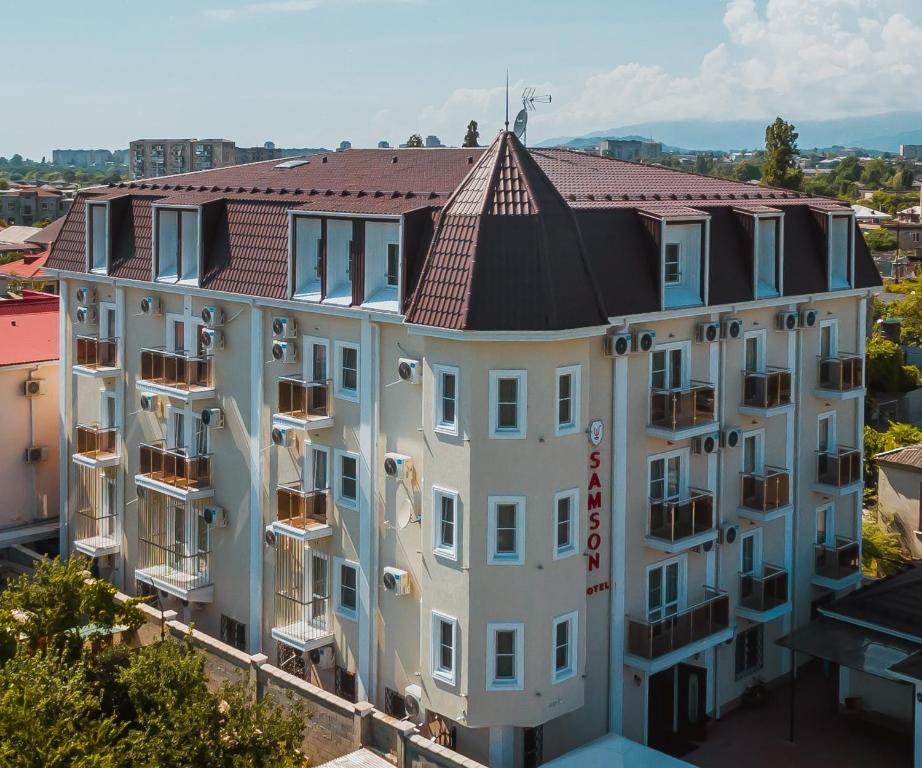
177 245
767 253
841 249
339 261
683 257
393 265
382 264
672 272
307 255
97 237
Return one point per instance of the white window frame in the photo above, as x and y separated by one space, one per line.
351 395
105 397
440 425
518 683
178 278
685 348
681 577
759 436
308 356
307 466
105 331
521 430
438 546
829 510
829 416
849 255
761 337
769 291
678 263
573 426
348 613
307 288
559 676
559 553
342 501
684 457
449 676
833 326
90 232
755 535
493 558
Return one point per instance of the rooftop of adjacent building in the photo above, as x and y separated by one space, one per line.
28 328
907 457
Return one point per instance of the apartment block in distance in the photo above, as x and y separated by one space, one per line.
162 157
527 446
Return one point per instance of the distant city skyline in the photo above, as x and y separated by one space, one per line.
316 72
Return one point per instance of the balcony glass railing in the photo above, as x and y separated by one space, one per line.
839 467
674 520
839 561
767 490
766 591
766 389
680 408
651 639
94 352
96 442
305 400
173 467
842 373
299 508
176 369
302 591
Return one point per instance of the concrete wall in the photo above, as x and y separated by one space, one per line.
898 494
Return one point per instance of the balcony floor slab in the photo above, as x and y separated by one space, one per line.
763 617
308 424
186 494
652 666
176 583
101 372
671 547
836 394
836 584
303 635
95 462
683 433
764 413
184 395
758 516
838 490
313 531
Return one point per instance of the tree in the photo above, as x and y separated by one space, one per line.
897 435
470 138
880 239
874 172
415 140
747 170
780 149
882 552
703 164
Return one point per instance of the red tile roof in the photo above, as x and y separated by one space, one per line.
29 267
29 329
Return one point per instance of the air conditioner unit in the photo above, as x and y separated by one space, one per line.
284 352
731 328
707 332
215 516
617 344
212 339
150 403
86 315
33 387
35 454
213 418
413 703
322 658
787 321
284 328
281 436
808 318
396 580
643 340
269 537
397 465
408 370
729 533
212 316
706 443
86 295
150 305
730 438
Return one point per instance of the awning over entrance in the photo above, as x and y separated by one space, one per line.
851 646
614 751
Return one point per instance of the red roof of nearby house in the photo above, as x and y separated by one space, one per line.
29 268
29 329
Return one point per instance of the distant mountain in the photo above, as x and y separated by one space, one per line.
883 133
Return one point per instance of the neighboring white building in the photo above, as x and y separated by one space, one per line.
509 442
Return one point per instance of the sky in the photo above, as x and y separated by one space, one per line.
307 73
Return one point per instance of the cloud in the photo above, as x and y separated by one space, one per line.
803 60
278 7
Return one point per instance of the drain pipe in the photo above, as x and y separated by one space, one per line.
795 468
721 382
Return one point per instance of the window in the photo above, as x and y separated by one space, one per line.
667 481
347 590
316 468
307 244
177 245
563 649
683 263
98 237
748 651
444 647
826 432
233 633
840 248
672 269
347 376
393 264
446 399
505 656
568 400
824 517
753 452
445 522
347 487
767 257
667 367
505 532
508 395
751 553
754 351
566 523
829 339
665 584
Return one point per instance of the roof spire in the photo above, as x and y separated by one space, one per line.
507 99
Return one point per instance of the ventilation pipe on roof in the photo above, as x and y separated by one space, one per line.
394 159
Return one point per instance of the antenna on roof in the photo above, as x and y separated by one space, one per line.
529 99
507 99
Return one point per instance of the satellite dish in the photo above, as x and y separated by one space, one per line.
521 122
405 514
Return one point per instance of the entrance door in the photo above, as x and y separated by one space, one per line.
692 702
661 711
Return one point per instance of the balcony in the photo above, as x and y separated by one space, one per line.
304 404
176 374
95 512
656 645
301 513
837 566
303 615
174 547
764 597
766 392
96 357
681 413
838 472
765 495
96 446
840 377
173 472
676 525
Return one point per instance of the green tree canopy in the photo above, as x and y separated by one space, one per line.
880 239
780 149
885 368
472 135
415 140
